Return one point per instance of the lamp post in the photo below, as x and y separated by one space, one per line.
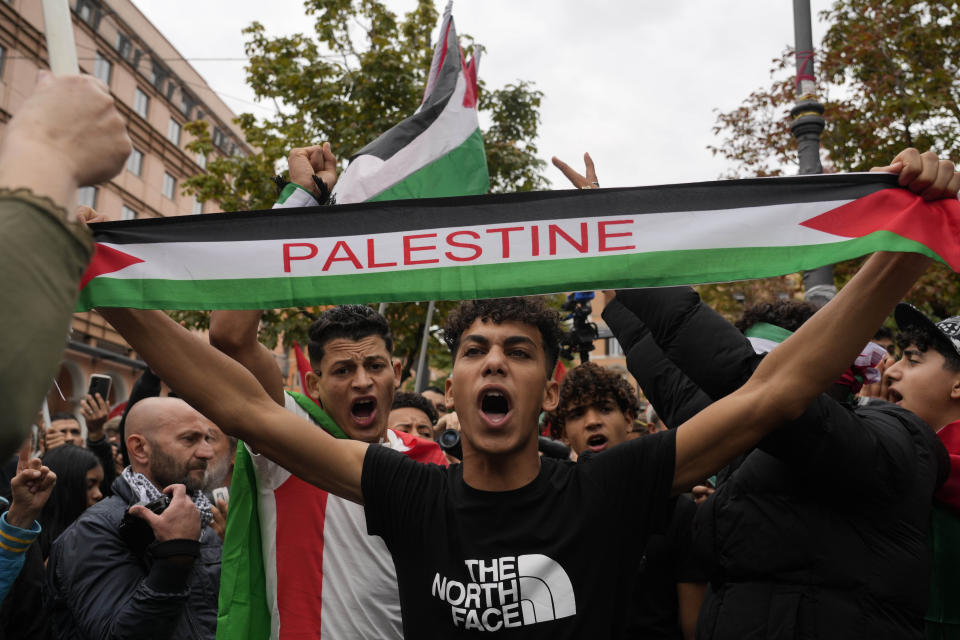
807 125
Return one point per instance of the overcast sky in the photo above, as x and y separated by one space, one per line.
635 82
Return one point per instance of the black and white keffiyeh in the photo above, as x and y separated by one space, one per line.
146 492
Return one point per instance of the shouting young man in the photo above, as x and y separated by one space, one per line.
523 545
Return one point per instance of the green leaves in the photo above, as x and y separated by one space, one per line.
361 71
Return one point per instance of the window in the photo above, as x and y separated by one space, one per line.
102 68
3 59
123 46
197 207
87 196
90 12
169 185
220 140
158 74
187 103
202 160
126 213
173 132
613 347
135 162
141 102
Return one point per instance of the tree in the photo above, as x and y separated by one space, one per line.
361 72
889 78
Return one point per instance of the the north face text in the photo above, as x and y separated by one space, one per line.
511 591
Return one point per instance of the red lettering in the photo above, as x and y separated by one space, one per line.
289 257
604 235
463 245
535 240
372 261
555 231
408 249
350 257
505 241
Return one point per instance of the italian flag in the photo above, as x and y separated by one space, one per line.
513 244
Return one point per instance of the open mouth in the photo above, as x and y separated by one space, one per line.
362 410
597 442
894 396
494 405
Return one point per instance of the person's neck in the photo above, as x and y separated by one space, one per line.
501 472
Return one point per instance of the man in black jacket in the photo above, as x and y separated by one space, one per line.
820 530
102 585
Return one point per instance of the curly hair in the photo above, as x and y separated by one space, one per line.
351 321
786 314
403 399
531 311
588 384
923 340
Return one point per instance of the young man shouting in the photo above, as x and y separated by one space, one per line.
523 545
596 412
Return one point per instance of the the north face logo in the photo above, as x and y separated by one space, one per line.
512 591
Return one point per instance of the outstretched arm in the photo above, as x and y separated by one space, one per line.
229 395
235 332
797 371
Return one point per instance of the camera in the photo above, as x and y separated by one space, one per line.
136 531
449 441
581 336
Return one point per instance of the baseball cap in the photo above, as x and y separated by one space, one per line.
946 332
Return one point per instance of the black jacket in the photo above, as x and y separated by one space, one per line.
819 532
97 588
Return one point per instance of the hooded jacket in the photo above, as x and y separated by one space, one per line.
97 587
818 532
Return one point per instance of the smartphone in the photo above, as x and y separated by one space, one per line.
100 383
221 493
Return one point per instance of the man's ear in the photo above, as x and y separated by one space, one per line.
955 389
448 392
551 395
138 449
397 372
313 386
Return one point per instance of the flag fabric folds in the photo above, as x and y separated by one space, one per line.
512 244
438 151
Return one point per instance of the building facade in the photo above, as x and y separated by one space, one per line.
158 92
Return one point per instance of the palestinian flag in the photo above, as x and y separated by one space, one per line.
438 151
513 244
296 560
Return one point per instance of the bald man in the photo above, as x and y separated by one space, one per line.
164 583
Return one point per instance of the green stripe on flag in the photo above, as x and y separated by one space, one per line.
768 331
650 269
461 172
243 610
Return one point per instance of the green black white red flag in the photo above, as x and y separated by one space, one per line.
513 244
436 152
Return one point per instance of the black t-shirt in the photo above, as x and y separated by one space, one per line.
667 560
557 558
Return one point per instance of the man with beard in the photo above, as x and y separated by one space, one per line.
102 583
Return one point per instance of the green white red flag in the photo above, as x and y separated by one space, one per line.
513 244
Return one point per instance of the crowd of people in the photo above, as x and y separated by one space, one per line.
791 476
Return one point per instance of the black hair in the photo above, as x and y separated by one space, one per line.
530 310
435 389
786 314
923 340
351 321
587 384
883 333
404 399
63 415
69 496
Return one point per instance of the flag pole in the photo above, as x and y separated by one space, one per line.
58 28
423 372
807 125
